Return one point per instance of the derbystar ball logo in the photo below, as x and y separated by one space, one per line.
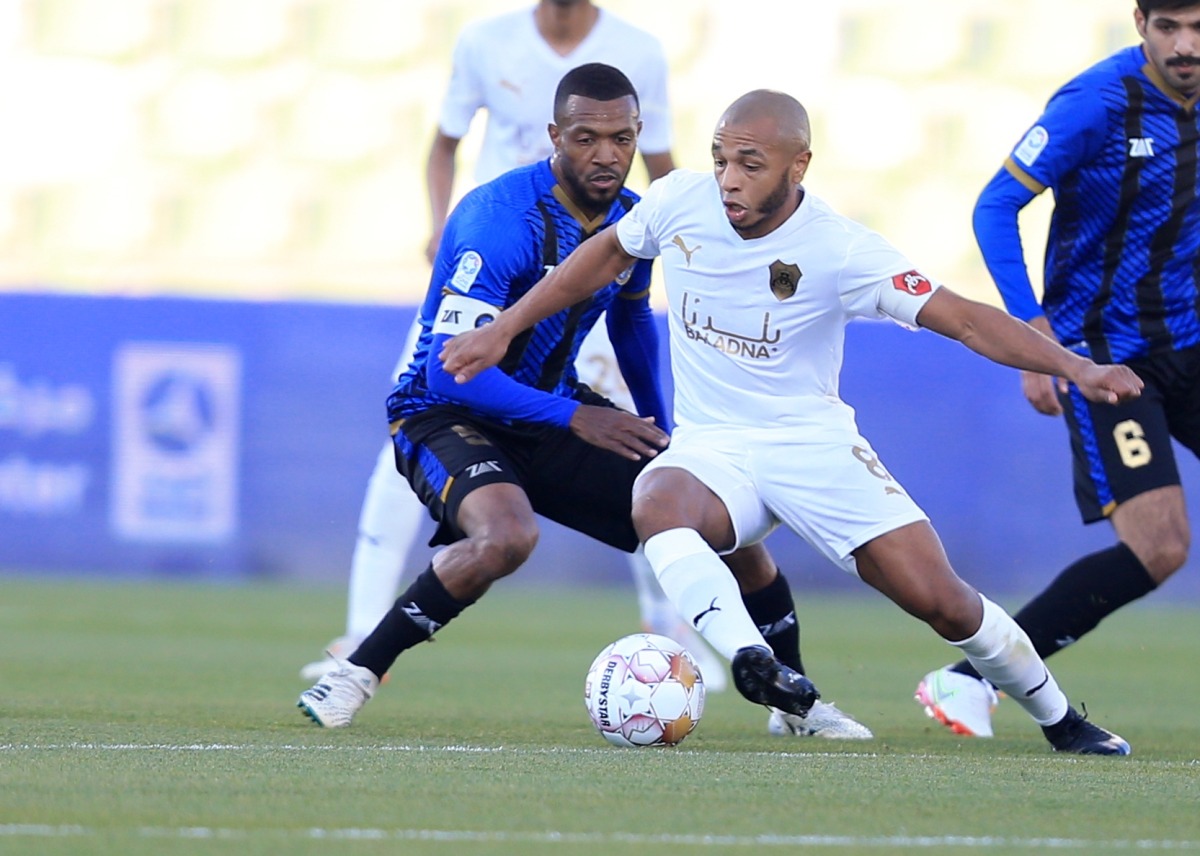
912 282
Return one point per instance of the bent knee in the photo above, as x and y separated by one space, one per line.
953 613
1163 558
502 551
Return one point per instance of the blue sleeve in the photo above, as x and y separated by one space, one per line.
634 336
999 239
1071 131
496 394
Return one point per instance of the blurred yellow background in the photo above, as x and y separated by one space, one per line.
276 148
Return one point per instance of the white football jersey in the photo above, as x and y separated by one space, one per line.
504 66
757 327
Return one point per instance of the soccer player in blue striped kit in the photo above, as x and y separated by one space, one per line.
1119 145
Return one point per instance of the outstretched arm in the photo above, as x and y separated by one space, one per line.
1003 339
999 237
591 266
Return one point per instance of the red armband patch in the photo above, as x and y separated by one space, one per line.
912 282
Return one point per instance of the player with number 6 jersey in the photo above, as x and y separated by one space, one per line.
1118 144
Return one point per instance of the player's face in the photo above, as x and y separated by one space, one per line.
594 146
758 175
1172 41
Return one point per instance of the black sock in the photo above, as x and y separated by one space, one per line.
772 609
1079 598
417 614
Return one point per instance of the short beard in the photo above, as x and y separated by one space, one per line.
778 198
587 199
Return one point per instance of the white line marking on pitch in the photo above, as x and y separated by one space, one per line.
448 836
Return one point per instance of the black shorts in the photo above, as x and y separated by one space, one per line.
1120 452
446 452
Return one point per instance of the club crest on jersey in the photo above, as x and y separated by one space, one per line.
784 279
468 268
912 282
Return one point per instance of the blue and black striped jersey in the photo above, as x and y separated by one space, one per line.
499 241
1120 149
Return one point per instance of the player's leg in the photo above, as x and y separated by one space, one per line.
390 523
596 366
659 616
683 523
768 600
909 566
1125 470
862 519
486 519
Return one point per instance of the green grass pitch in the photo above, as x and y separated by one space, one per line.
140 718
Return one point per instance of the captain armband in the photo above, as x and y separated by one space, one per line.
458 313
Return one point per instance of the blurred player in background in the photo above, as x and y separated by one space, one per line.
1118 144
509 66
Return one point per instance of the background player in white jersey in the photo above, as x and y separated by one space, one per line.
761 280
510 66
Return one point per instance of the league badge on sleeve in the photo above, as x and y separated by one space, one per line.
913 283
468 268
1031 145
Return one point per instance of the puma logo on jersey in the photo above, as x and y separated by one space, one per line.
476 470
687 254
1141 147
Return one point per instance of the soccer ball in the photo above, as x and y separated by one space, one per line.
644 690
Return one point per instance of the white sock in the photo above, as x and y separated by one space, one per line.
388 526
1002 652
701 586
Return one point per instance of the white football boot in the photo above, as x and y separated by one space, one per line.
823 720
960 702
337 696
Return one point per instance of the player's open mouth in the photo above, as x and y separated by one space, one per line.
734 211
605 180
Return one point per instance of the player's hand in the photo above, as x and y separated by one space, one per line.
632 437
1108 384
1042 392
469 353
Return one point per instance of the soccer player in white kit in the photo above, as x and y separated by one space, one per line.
762 278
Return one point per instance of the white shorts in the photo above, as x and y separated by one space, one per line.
832 491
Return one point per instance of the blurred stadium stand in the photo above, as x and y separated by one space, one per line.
212 218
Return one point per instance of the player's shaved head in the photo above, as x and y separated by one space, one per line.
768 107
